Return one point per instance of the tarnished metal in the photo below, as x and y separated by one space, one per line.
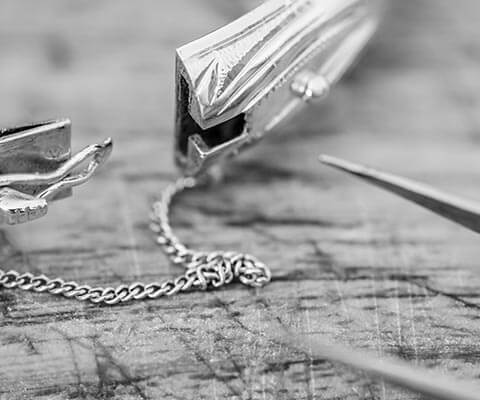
238 83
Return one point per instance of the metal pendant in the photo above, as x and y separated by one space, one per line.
237 84
37 166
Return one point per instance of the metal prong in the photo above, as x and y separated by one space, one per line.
97 153
201 157
456 209
17 207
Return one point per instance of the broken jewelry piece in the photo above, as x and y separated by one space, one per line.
238 83
36 167
232 88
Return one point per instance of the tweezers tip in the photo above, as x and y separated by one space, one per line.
328 160
459 210
341 164
324 158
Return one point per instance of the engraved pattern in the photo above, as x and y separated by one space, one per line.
230 58
232 69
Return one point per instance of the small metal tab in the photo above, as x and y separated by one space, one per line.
37 166
238 83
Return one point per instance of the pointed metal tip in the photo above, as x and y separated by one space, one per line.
459 210
108 143
326 159
104 150
343 165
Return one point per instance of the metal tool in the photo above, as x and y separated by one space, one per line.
36 167
456 209
397 372
238 83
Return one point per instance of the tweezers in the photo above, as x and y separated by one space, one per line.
459 210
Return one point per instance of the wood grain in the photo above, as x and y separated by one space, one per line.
351 264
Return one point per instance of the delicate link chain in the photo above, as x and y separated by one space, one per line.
203 270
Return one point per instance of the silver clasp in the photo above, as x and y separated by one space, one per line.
37 166
238 83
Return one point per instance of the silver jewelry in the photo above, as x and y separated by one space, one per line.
36 167
233 87
237 84
203 270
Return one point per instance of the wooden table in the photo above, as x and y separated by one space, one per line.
351 264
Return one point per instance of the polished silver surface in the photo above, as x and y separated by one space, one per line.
462 211
239 82
36 167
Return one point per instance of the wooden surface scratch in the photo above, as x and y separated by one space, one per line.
351 264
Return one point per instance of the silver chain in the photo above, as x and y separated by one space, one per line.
204 270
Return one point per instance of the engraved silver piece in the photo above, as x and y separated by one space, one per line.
36 167
238 83
233 87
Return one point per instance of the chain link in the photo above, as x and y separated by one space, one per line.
204 270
